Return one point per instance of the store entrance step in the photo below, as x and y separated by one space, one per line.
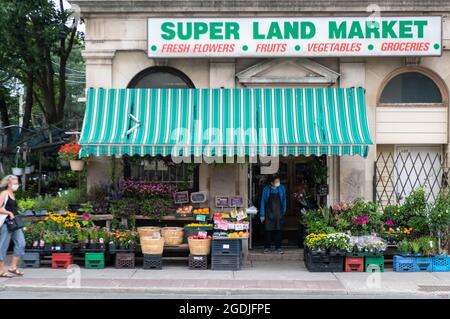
290 254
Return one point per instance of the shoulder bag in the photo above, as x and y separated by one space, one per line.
3 216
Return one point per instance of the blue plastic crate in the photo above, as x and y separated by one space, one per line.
232 247
423 264
404 264
441 263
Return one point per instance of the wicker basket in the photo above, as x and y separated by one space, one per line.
172 232
173 236
173 241
150 245
199 246
148 231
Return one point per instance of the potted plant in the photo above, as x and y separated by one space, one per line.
70 152
404 247
83 238
58 239
67 241
316 243
26 206
93 238
337 243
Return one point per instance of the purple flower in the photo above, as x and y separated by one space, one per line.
389 223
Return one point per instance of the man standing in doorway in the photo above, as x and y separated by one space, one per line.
272 211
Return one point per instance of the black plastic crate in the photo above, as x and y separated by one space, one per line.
30 260
125 260
198 262
324 262
226 262
152 261
226 247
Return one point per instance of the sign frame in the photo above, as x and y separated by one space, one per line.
153 53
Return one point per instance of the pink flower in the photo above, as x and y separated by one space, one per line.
389 223
86 216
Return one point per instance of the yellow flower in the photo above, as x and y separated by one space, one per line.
67 224
77 225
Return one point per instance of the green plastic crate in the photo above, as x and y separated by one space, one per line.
95 260
374 263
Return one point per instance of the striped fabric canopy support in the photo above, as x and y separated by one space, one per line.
217 122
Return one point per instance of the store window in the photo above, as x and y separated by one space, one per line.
411 87
161 169
161 77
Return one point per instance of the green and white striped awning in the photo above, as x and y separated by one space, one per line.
218 122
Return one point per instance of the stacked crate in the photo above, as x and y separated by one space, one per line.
226 254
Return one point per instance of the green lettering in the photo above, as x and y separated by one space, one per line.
168 32
406 29
372 28
308 26
256 34
187 33
335 32
387 29
216 31
232 28
291 30
355 31
199 29
274 31
420 25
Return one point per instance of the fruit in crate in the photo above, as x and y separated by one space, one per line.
199 225
200 237
201 211
184 210
240 234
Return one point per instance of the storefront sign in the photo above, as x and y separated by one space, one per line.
291 37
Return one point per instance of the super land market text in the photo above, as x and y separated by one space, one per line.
229 30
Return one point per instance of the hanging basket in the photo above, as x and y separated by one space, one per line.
76 165
17 171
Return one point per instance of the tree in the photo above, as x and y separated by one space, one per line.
36 39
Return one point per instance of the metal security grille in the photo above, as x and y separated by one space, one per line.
397 174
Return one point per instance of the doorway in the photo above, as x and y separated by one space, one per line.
304 178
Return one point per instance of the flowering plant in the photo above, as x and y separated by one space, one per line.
69 151
314 241
147 189
337 241
367 244
124 238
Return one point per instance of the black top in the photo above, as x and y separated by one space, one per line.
11 205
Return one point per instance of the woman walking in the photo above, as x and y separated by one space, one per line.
8 206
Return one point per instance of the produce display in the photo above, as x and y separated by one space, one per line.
201 211
184 211
231 225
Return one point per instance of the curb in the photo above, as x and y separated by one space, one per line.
177 290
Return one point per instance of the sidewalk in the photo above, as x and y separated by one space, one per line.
272 278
